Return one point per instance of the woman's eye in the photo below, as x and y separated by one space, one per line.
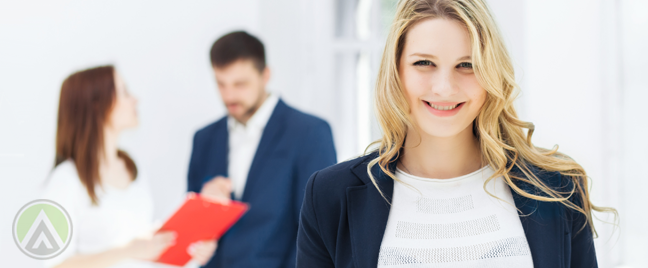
465 65
423 63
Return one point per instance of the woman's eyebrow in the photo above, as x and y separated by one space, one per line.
423 55
434 57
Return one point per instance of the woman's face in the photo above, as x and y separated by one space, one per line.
439 82
124 112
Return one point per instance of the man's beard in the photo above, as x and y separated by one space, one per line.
250 111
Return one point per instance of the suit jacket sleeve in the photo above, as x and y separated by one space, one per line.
316 152
311 250
583 254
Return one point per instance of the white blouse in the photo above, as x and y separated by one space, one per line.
453 223
121 214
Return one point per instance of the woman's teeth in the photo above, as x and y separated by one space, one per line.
443 108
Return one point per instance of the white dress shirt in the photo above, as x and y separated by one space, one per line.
243 143
453 223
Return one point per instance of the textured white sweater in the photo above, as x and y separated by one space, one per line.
453 223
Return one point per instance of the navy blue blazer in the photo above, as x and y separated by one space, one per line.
292 147
343 220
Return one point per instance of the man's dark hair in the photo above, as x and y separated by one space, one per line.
236 46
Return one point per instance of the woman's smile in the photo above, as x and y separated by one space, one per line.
443 109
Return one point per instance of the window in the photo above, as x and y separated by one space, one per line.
360 32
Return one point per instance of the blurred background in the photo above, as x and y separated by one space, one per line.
581 65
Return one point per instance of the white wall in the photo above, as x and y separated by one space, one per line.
585 87
580 64
633 142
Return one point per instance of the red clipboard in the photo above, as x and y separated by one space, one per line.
198 219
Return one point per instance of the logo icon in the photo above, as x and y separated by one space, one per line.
42 229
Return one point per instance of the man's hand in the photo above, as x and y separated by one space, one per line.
202 251
218 189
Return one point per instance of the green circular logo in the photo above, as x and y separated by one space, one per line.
42 229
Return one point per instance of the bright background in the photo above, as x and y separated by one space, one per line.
581 65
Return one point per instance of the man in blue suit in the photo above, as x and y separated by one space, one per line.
261 153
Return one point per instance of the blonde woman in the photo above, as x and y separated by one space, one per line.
455 181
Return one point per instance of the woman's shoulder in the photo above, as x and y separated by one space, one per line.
342 175
64 174
552 179
326 190
63 184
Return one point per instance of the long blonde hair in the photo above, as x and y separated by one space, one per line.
503 142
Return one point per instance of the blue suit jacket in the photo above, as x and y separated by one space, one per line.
292 147
343 220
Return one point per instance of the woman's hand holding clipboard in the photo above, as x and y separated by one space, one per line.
198 219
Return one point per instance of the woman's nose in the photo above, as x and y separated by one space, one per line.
443 84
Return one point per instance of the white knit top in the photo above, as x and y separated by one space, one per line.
453 223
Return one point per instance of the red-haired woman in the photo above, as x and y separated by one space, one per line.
108 201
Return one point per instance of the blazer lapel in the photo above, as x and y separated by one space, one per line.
542 230
220 151
368 213
272 134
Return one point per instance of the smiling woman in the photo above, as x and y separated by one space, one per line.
455 180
